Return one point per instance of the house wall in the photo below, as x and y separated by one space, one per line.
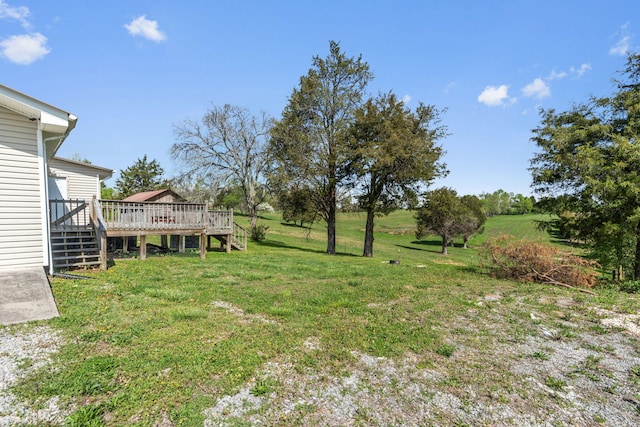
82 183
21 216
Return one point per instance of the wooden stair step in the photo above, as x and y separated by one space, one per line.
74 249
77 264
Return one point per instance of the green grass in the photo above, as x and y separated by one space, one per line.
168 336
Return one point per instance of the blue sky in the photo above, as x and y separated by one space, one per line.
130 70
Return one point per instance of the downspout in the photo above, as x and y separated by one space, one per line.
44 198
44 177
46 226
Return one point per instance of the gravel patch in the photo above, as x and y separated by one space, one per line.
23 350
241 313
581 372
512 366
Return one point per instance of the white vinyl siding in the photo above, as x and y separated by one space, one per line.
82 181
20 193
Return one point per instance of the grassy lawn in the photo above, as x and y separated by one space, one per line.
165 341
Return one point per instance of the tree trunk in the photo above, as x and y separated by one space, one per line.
636 263
249 200
445 241
331 222
368 234
253 217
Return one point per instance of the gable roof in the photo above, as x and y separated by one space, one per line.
147 196
55 122
103 173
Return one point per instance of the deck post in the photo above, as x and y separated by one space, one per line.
143 247
103 250
203 246
228 243
181 244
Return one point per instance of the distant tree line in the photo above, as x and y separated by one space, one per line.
502 203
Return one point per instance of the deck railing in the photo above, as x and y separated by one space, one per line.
69 214
157 217
220 221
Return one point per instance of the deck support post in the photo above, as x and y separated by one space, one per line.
203 246
228 243
103 250
143 247
125 244
181 244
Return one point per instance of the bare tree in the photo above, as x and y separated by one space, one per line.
229 143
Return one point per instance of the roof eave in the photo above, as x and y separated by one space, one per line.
53 120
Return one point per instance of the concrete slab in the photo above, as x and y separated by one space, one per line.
25 295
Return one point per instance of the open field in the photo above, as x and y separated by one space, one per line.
286 335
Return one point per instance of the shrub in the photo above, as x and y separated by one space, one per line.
630 287
446 350
537 262
265 207
259 233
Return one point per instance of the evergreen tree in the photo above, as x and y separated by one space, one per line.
589 162
392 152
143 175
307 146
441 215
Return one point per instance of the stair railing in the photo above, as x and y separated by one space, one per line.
68 214
100 227
239 236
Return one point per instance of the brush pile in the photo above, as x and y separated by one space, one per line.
526 261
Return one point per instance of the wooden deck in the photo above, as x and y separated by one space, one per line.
116 218
138 218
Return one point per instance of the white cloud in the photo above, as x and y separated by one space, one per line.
24 49
406 99
579 72
19 13
537 89
494 96
623 45
557 75
450 86
143 27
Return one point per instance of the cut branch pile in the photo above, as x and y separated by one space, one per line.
537 262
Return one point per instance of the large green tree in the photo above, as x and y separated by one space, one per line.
472 219
589 161
393 155
307 146
143 175
297 205
442 214
230 144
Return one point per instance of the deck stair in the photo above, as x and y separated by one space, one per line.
238 238
72 249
